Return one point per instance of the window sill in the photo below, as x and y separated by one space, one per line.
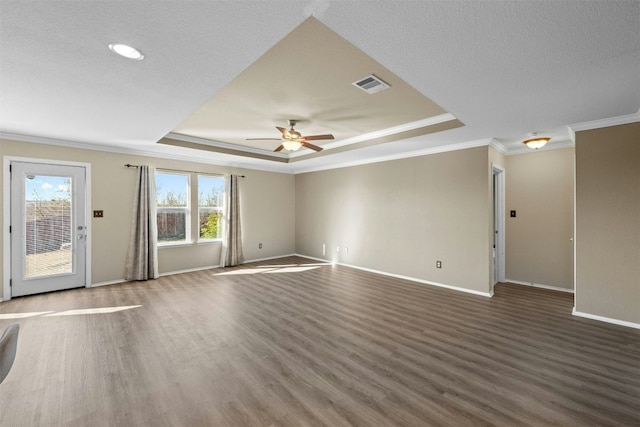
208 242
185 244
174 245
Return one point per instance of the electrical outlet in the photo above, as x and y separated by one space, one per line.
98 214
346 250
338 249
259 245
438 264
324 249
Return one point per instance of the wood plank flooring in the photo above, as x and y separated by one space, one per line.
294 342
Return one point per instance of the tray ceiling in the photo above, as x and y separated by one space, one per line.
308 76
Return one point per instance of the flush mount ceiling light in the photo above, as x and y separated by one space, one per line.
535 141
126 51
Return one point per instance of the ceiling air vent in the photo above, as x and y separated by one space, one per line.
371 84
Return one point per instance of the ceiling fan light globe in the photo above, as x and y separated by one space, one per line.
291 145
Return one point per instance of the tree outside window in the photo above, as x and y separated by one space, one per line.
210 198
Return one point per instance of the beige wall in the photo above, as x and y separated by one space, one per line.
401 216
539 187
267 209
608 222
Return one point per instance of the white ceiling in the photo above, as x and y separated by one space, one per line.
502 68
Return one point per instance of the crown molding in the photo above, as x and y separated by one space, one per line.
297 168
498 146
267 167
442 118
425 152
226 145
603 123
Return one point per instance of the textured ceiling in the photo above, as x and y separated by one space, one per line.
501 68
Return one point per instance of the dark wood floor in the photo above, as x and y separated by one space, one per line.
315 345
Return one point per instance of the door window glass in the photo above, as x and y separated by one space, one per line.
48 243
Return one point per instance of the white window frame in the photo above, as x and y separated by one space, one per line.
187 210
208 208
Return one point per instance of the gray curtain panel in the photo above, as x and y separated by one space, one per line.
231 253
142 259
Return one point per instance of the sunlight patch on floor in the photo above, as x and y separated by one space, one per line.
99 310
244 271
291 269
271 269
22 315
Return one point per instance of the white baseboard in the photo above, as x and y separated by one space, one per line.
538 285
267 258
110 282
168 273
188 270
606 319
399 276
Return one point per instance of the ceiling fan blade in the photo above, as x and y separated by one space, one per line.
317 137
280 148
311 146
284 131
263 139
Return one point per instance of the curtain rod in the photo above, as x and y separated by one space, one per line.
129 165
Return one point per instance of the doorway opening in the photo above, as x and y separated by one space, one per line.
498 208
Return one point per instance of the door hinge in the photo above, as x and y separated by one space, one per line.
9 229
10 168
10 283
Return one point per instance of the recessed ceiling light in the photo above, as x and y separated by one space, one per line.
126 51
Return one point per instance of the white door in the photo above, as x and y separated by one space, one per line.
48 227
